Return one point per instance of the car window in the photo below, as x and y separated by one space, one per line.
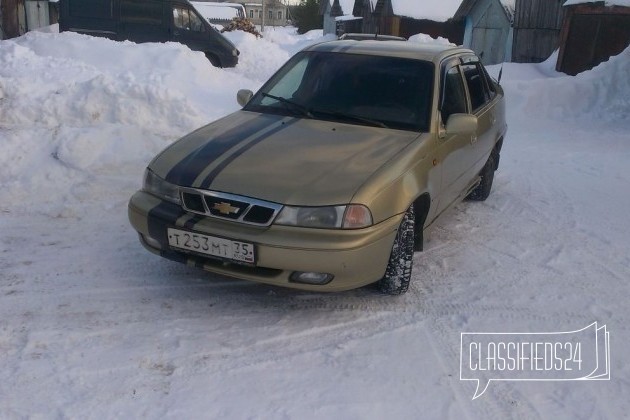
393 91
139 11
454 95
184 18
477 88
289 84
492 90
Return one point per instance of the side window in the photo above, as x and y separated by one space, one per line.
453 94
492 91
180 17
477 88
185 18
137 11
195 22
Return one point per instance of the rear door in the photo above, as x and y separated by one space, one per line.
482 101
455 150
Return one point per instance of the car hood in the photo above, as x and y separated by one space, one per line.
287 160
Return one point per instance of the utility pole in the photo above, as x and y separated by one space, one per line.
262 21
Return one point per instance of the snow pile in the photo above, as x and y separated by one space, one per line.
602 93
261 57
428 39
76 110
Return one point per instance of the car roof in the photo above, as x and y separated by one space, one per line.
402 49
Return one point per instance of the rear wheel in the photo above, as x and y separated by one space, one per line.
398 272
482 191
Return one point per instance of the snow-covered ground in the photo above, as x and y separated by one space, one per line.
93 326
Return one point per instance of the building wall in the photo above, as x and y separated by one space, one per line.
488 31
13 18
329 24
591 34
279 13
537 26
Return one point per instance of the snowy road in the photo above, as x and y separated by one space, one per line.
93 326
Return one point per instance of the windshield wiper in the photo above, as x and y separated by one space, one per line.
289 103
343 115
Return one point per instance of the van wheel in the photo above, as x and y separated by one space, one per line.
398 272
482 191
214 60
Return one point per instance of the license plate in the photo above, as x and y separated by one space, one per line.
211 245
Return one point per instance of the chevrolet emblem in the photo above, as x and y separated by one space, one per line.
225 208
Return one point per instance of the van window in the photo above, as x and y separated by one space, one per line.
185 18
91 9
141 11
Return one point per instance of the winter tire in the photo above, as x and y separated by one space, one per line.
482 191
398 273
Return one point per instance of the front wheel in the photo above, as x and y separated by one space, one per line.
398 272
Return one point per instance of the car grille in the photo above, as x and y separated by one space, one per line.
229 207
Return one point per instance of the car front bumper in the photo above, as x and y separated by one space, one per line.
354 257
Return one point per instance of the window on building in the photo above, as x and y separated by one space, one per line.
251 14
279 14
260 14
270 14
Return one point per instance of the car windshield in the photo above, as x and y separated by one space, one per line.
373 90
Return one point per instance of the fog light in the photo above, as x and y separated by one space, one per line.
151 242
310 278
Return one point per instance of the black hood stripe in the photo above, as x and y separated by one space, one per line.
188 169
207 182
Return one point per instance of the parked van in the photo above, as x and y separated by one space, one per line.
148 21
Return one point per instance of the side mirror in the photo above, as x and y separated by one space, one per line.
243 96
461 124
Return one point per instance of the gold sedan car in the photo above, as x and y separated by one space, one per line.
328 176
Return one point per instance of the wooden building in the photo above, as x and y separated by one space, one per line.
19 16
393 17
488 28
536 29
591 34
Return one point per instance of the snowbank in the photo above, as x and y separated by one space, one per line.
428 39
600 94
76 109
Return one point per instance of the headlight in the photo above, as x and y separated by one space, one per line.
155 185
353 216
